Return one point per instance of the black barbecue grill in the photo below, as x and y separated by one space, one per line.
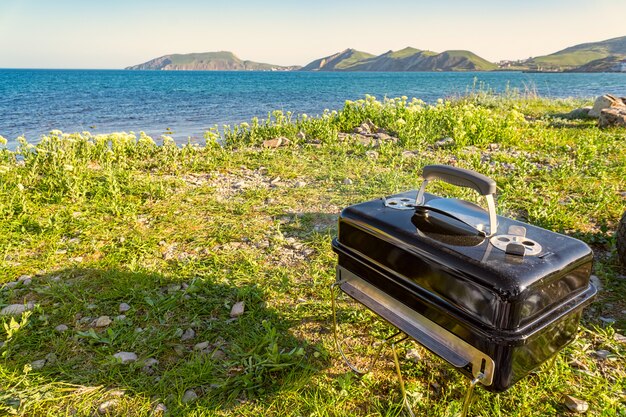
492 296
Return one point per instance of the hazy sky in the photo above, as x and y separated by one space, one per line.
119 33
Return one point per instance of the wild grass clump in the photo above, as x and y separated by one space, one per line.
182 234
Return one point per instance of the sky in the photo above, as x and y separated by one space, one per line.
120 33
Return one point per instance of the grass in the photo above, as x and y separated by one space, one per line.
181 234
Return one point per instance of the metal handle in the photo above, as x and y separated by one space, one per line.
463 178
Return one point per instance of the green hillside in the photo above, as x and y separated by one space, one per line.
207 61
407 59
578 55
341 61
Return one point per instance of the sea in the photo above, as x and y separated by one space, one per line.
185 104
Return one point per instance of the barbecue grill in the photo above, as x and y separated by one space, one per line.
492 296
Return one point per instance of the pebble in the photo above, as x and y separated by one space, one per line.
25 280
103 321
51 358
413 355
160 409
126 357
189 396
444 142
106 406
218 355
188 335
61 328
124 307
300 184
602 354
237 309
607 320
120 317
201 346
15 309
372 154
347 181
36 365
575 405
408 154
150 362
619 338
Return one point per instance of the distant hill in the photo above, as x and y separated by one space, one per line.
341 61
580 55
407 59
207 61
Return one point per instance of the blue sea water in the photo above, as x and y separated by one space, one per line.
33 102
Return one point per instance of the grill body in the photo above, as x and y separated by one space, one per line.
517 311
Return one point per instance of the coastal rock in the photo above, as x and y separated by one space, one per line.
605 102
276 143
581 113
615 116
575 405
366 128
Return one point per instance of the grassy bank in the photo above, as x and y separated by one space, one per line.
182 234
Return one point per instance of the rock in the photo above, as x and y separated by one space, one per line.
604 102
408 154
602 354
581 113
575 405
51 358
612 117
607 320
107 406
347 181
15 309
444 143
619 338
218 355
160 409
372 154
188 335
299 184
124 307
120 317
276 143
126 357
25 280
413 355
201 346
189 396
150 362
366 128
301 135
237 309
61 328
37 365
103 321
386 138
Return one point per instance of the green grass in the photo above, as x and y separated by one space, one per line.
183 233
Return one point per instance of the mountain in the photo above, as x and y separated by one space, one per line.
341 61
579 55
207 61
407 59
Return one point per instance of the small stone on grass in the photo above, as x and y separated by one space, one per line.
37 365
124 307
15 309
126 357
189 396
107 406
188 335
237 309
61 328
575 405
103 321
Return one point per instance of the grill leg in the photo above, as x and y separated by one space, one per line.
469 395
339 342
405 401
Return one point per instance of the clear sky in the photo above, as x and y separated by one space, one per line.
119 33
